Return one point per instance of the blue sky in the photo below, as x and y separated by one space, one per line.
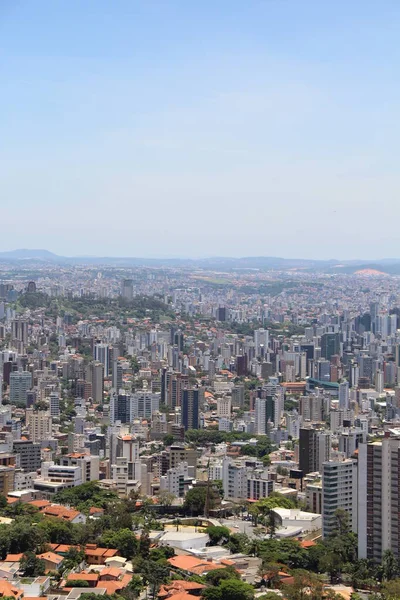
182 128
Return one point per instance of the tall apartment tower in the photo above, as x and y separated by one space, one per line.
379 499
97 376
339 491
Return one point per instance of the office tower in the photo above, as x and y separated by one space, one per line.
101 354
121 407
222 314
127 289
261 341
330 345
144 404
344 395
378 499
339 491
117 373
97 381
264 413
39 424
314 450
354 374
241 365
29 453
324 370
54 404
190 408
379 381
20 383
238 395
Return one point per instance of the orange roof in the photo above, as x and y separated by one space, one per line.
307 543
51 557
183 596
110 586
83 577
184 562
12 500
111 572
39 503
13 557
94 510
179 585
61 512
7 589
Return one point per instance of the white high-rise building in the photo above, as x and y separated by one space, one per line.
339 491
378 499
234 479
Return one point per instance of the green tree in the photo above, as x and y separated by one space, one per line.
216 576
122 540
31 565
195 501
155 573
80 583
230 589
218 534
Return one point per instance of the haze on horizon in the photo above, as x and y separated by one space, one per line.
164 128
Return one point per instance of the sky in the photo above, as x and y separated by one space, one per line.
183 128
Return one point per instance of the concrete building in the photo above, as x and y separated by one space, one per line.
378 499
339 491
29 455
20 383
39 425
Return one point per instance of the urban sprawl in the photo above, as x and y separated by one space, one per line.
177 434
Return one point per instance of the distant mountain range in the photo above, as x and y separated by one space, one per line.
386 265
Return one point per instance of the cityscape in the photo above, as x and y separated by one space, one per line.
245 420
199 300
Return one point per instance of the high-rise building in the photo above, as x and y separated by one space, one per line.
144 404
39 424
97 381
264 413
127 289
121 407
20 383
314 450
190 408
117 373
29 453
19 330
339 491
379 499
330 345
344 395
102 354
54 404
